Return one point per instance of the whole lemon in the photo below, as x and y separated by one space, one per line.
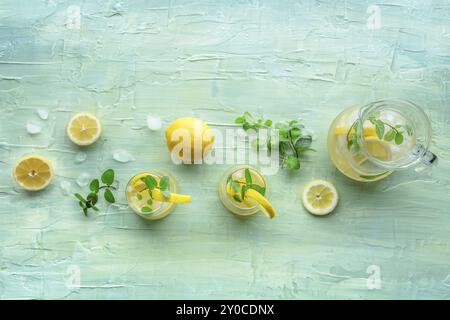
189 139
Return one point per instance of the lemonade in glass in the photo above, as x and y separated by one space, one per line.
243 191
153 194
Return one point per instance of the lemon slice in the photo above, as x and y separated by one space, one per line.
157 194
320 197
174 197
377 148
368 131
84 129
33 172
265 205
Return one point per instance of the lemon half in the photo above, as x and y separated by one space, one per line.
320 197
33 172
84 129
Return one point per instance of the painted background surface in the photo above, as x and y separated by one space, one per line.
289 59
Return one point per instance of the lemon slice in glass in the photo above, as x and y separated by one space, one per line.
320 197
368 131
33 172
84 129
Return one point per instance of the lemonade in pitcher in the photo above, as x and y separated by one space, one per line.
368 143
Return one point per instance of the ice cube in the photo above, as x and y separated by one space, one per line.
121 155
33 127
80 157
154 123
43 114
66 187
83 179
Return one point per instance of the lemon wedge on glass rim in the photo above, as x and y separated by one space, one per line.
252 196
84 129
33 172
319 197
263 203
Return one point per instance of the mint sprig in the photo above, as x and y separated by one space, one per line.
292 141
394 133
90 201
241 187
151 184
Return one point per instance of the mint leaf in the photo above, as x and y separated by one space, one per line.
235 186
379 128
146 209
390 135
239 120
92 198
150 182
80 197
94 185
109 196
258 188
409 130
164 183
248 176
236 198
108 177
292 162
268 123
303 142
295 133
243 191
399 138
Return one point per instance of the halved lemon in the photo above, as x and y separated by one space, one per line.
84 129
33 172
264 204
320 197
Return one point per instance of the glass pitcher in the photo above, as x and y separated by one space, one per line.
368 143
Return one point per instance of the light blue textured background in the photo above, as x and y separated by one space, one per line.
214 60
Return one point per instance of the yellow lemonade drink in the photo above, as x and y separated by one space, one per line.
366 144
152 195
243 191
